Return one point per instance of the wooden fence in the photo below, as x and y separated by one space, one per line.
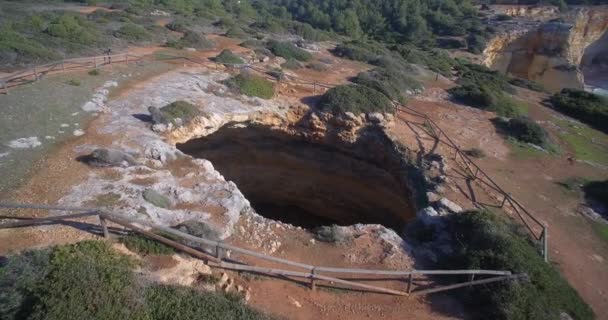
537 229
215 256
67 65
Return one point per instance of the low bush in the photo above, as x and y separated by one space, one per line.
292 64
525 130
192 39
487 241
251 85
584 106
227 57
332 234
145 246
355 99
236 33
132 32
394 83
359 50
475 153
199 229
176 110
316 66
89 280
528 84
288 51
436 60
177 26
94 72
73 29
24 50
180 303
597 191
74 82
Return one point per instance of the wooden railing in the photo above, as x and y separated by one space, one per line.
217 259
37 72
537 229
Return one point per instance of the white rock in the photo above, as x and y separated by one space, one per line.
78 132
25 143
375 117
428 216
449 205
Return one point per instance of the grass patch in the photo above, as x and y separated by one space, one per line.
487 241
288 51
601 229
251 85
292 64
94 72
227 57
523 129
107 199
156 198
355 99
145 246
588 144
394 83
528 84
584 106
235 33
74 82
182 110
319 67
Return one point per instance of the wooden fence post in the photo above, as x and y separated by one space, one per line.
95 62
314 87
35 74
504 200
126 58
5 86
545 242
219 253
62 65
313 285
410 282
104 226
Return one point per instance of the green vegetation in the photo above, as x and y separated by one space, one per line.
528 84
355 99
192 39
13 44
316 66
524 130
107 199
94 72
288 51
475 153
73 28
178 26
486 89
179 110
584 106
394 83
332 234
89 280
487 241
588 144
74 82
236 33
145 246
292 64
227 57
251 85
132 32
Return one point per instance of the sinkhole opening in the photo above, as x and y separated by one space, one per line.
311 184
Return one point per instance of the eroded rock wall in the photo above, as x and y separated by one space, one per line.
549 52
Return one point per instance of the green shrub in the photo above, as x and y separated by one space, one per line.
236 33
145 246
94 72
475 153
13 43
486 241
179 110
199 229
332 234
74 82
252 44
525 130
88 280
192 39
316 66
393 83
597 191
132 32
177 26
584 106
356 99
251 85
527 84
292 64
227 57
503 17
73 29
435 59
359 51
180 303
288 51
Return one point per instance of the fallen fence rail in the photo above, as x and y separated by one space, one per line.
312 273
